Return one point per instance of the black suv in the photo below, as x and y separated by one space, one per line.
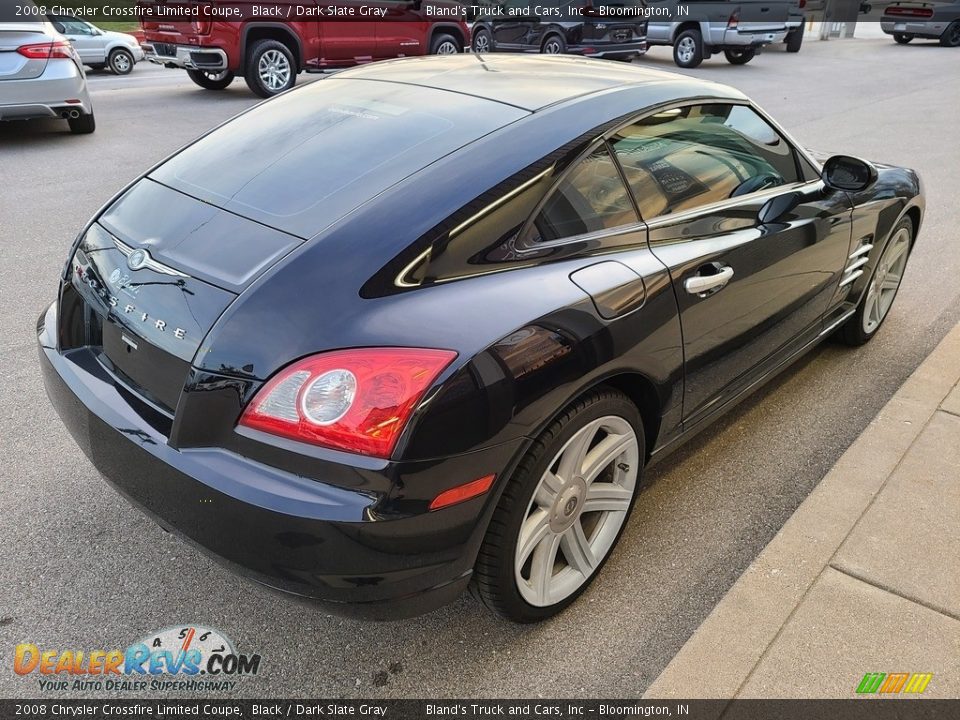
612 29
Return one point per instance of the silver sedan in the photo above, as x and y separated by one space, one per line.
41 76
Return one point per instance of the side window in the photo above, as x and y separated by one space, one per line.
683 158
591 197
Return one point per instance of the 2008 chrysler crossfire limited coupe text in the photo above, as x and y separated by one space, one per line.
421 325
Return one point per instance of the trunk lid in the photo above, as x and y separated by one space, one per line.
13 65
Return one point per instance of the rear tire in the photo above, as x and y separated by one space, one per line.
951 36
211 81
482 41
882 290
902 38
795 40
443 44
271 68
121 62
739 57
688 49
591 456
83 125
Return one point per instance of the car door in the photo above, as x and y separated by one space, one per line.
754 243
87 40
343 42
402 31
512 31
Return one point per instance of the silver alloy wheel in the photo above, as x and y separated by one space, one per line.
577 510
552 47
886 281
274 69
447 47
686 49
121 62
481 43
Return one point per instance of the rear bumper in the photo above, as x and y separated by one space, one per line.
744 38
322 541
47 95
189 57
621 50
916 28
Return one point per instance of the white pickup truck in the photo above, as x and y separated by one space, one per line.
737 28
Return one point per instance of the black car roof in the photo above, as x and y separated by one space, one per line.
530 82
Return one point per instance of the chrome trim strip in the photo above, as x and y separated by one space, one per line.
860 251
850 278
857 264
838 322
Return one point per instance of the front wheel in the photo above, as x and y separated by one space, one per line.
554 45
482 41
211 80
271 68
121 62
739 57
688 49
902 38
882 291
444 45
951 36
563 510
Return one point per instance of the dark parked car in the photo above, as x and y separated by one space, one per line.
424 323
602 29
932 21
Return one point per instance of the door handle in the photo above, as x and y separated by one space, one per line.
709 279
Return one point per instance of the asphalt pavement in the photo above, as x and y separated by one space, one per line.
81 569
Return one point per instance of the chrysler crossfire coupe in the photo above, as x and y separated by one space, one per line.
421 325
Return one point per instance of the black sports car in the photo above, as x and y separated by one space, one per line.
423 324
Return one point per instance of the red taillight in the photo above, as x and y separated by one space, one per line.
355 400
803 4
460 493
920 12
734 20
46 51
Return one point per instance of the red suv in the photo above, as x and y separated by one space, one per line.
271 51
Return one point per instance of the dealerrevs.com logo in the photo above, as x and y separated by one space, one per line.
191 658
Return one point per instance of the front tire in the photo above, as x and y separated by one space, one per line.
121 62
83 125
902 38
211 80
482 41
688 49
951 36
563 510
882 291
270 69
739 57
444 44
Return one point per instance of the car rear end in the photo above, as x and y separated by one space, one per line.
41 75
612 29
913 19
195 44
751 24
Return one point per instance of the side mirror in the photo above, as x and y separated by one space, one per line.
842 172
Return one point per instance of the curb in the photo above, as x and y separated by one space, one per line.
718 658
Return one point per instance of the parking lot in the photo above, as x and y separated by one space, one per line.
82 569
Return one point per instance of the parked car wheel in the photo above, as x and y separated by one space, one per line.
563 510
688 49
951 36
443 44
482 41
795 40
121 61
739 57
554 45
83 125
902 38
271 68
882 290
211 81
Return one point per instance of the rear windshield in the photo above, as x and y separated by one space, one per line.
302 161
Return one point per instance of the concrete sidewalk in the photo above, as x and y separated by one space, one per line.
864 577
